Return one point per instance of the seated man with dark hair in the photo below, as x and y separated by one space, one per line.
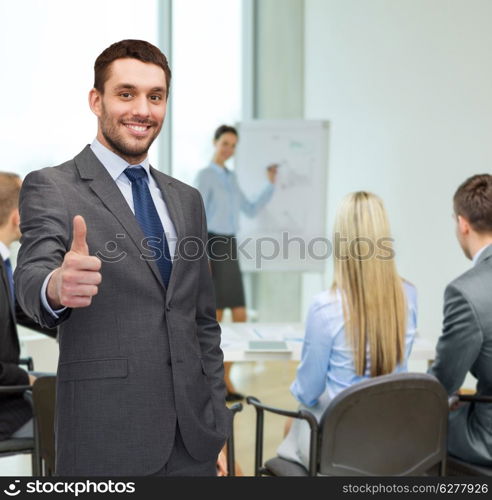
466 341
15 411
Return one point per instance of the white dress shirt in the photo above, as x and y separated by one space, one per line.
477 255
4 251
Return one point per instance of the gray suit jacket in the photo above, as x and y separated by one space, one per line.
466 346
140 359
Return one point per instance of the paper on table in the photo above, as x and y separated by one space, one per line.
238 334
279 332
268 346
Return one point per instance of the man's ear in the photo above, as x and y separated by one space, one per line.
12 224
463 225
95 101
15 218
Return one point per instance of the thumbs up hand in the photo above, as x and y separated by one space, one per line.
77 280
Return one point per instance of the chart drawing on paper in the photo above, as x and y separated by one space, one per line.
296 212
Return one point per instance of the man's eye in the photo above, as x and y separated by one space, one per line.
156 98
125 95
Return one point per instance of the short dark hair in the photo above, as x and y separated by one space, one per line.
9 195
473 201
131 49
224 129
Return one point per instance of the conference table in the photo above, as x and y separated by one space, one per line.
253 341
236 337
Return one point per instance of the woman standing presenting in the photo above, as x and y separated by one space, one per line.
223 201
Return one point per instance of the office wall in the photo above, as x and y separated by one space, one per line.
407 87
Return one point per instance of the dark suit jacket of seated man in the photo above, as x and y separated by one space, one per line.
466 341
15 410
140 360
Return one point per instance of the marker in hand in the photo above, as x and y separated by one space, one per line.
77 280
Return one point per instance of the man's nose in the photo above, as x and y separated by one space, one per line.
141 107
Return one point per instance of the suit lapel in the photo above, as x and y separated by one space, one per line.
174 207
103 185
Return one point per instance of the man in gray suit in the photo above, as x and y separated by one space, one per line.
106 255
466 341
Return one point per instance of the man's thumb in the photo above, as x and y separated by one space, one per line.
79 243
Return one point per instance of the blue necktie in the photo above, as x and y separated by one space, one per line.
149 220
10 278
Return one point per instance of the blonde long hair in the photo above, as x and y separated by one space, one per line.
374 303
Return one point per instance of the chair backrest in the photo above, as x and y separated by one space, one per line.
15 445
392 425
44 399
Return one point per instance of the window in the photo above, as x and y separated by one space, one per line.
48 54
207 79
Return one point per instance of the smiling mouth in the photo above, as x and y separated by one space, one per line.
137 129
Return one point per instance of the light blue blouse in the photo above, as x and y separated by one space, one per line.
224 199
327 363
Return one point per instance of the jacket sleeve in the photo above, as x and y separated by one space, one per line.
45 228
24 320
12 374
460 342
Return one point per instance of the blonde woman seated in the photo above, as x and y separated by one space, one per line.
364 326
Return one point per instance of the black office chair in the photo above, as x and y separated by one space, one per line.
391 425
27 362
455 466
44 398
231 458
15 446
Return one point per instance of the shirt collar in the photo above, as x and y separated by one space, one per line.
4 251
477 255
113 163
218 168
